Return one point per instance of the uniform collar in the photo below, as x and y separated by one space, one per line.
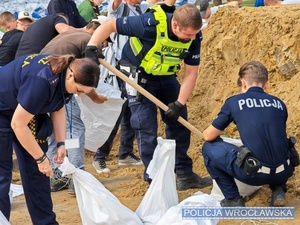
171 35
256 89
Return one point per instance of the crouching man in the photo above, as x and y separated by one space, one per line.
261 121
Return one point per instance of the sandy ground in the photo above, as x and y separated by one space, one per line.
233 37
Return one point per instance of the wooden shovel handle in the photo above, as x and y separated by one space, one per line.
148 95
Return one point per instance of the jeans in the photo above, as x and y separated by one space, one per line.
75 155
144 122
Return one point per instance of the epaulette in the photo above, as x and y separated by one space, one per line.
53 80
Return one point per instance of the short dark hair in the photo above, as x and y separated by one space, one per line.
188 15
253 72
93 25
6 17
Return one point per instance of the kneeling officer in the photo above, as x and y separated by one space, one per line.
265 157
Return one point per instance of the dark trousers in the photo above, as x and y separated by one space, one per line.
127 135
35 184
144 122
220 161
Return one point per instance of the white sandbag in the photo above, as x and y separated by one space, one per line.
233 141
162 193
3 220
245 190
99 119
97 205
174 215
14 191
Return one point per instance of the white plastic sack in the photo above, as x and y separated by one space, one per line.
14 191
97 205
233 141
99 119
244 189
162 193
174 215
3 220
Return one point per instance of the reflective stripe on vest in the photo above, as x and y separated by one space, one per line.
163 57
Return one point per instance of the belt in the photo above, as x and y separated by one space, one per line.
129 68
267 170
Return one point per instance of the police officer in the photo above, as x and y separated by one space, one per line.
261 121
159 40
74 42
31 86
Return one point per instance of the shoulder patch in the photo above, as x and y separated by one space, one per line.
200 36
150 21
124 20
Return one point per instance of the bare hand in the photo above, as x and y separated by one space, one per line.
93 95
60 155
99 99
46 168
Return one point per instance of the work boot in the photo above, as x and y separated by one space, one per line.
236 202
278 197
186 181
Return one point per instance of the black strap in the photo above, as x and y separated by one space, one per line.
125 13
126 10
138 9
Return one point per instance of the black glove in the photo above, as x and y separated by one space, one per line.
93 53
174 110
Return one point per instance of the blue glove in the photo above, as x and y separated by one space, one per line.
93 53
174 110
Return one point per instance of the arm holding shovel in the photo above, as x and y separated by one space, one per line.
103 32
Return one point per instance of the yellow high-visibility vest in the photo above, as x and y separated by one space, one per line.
163 58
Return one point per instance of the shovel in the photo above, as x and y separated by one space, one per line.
148 95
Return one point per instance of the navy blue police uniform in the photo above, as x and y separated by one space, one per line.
164 87
27 81
261 121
